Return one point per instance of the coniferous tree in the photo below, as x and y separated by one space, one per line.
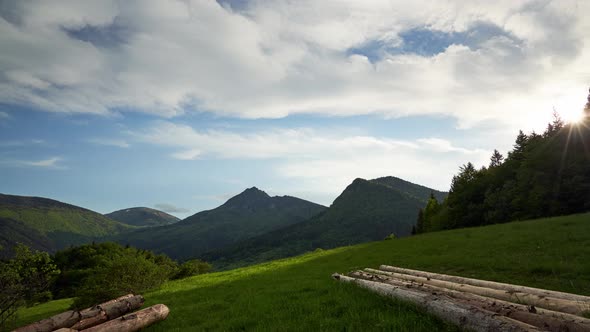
587 107
496 159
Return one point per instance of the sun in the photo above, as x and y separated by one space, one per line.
572 115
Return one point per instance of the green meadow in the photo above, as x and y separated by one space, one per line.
297 294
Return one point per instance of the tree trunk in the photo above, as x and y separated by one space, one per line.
108 310
544 319
465 316
87 317
571 307
489 284
135 321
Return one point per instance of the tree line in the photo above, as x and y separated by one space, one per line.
543 175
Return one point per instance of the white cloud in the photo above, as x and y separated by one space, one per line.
50 163
4 115
169 208
110 142
322 162
284 57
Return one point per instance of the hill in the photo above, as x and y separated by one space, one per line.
251 213
297 294
49 225
365 211
142 216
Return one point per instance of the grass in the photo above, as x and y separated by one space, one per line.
297 294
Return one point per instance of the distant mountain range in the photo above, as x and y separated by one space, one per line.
143 217
365 211
49 225
251 213
250 227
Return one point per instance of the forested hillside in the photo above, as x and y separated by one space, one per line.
143 217
49 225
251 213
545 174
367 210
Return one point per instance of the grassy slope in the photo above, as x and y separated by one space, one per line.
298 294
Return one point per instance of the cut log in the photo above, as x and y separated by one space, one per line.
465 316
541 318
567 306
489 284
88 317
108 310
135 321
65 319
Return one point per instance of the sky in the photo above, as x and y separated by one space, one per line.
179 105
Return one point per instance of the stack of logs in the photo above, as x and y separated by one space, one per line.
476 304
114 315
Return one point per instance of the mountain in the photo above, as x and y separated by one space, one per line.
49 225
142 216
367 210
251 213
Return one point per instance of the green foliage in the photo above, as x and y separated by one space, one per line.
98 272
24 280
130 273
191 268
297 294
544 175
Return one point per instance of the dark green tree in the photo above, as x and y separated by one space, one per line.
497 159
24 280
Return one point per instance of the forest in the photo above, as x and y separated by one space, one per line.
543 175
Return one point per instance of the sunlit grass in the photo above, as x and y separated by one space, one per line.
297 294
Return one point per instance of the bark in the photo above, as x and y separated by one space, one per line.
108 310
567 306
135 321
489 284
544 319
65 319
465 316
87 317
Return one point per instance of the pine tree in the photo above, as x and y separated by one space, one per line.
587 107
496 159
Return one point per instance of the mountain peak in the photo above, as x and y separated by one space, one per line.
247 198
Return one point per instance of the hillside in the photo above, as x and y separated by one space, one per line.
297 294
251 213
365 211
143 217
49 225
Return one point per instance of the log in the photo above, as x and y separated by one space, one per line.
65 329
468 317
63 320
541 318
87 317
489 284
108 310
135 321
567 306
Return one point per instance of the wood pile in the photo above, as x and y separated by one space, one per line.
476 304
113 315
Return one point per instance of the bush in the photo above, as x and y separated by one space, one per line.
191 268
123 275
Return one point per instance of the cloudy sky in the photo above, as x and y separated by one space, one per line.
180 104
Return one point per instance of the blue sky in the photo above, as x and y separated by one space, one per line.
180 105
